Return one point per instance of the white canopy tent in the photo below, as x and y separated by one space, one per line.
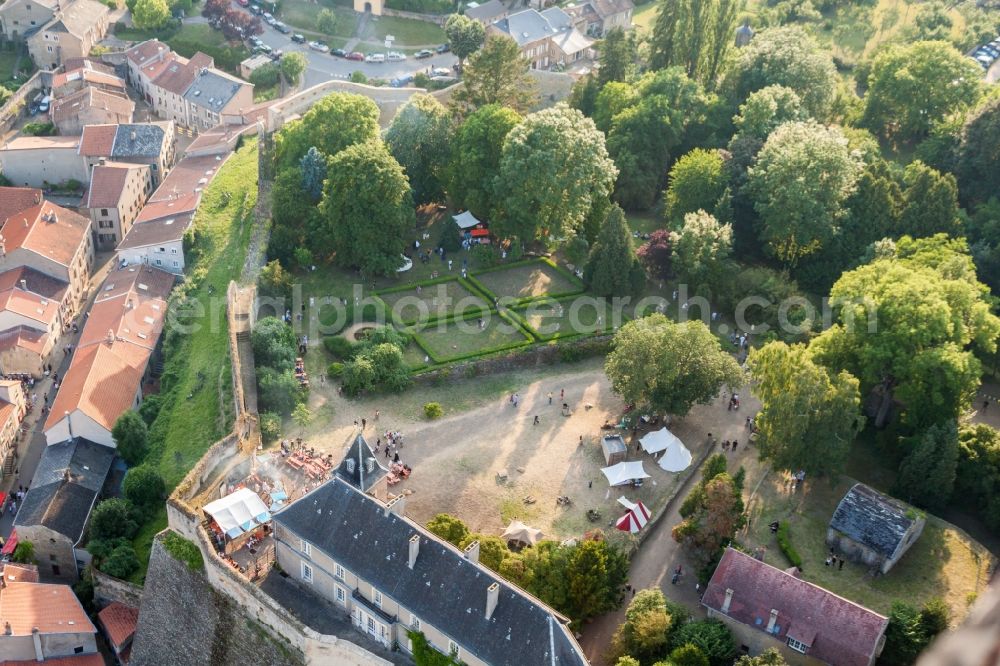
466 220
677 457
660 440
238 512
625 472
518 531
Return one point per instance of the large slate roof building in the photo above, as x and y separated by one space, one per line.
873 528
391 576
55 511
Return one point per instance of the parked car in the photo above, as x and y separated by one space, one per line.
444 79
255 9
299 39
356 55
276 55
319 46
43 106
402 81
440 71
340 53
423 53
243 3
262 48
282 28
375 57
395 56
444 48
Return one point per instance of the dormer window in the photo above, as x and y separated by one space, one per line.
797 646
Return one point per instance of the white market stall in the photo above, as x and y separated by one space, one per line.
625 472
473 230
521 533
237 515
658 440
676 458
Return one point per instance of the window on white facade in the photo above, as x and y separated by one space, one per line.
159 263
414 622
306 547
798 647
176 265
454 650
307 573
341 595
377 597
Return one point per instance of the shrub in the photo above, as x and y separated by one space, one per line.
143 486
433 410
270 426
339 347
150 408
184 551
121 562
265 76
38 129
24 553
130 435
335 370
112 519
785 544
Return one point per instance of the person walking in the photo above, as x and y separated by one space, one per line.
562 394
550 397
840 566
536 420
364 423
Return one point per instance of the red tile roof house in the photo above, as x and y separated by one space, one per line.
118 622
117 193
766 607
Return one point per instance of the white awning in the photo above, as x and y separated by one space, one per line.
625 472
238 512
654 442
466 220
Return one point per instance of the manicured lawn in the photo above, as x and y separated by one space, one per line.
194 37
527 281
644 223
302 14
7 60
644 16
944 562
571 317
431 302
447 342
414 356
408 32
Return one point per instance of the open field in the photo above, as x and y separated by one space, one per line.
944 562
458 339
551 319
407 31
529 280
302 14
431 302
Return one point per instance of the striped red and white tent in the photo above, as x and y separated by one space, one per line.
635 518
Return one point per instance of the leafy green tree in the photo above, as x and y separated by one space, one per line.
977 482
313 169
332 124
273 344
800 184
266 75
978 161
326 21
768 108
378 367
492 550
367 209
449 528
913 86
809 416
292 66
669 367
905 637
144 487
302 415
130 435
627 661
292 212
24 553
613 98
150 14
688 655
554 174
927 473
111 519
931 23
476 152
930 318
420 140
785 56
694 35
983 228
666 112
613 269
769 657
930 202
274 282
710 526
700 247
645 634
496 74
278 390
712 637
696 182
619 52
121 561
465 35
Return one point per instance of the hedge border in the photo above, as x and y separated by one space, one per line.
418 338
461 282
606 329
513 303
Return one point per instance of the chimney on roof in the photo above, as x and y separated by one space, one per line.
397 506
24 284
111 337
69 424
728 601
102 161
492 597
36 638
772 621
472 551
414 550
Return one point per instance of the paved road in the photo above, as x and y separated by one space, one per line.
324 67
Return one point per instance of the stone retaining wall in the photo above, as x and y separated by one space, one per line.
18 102
108 589
436 19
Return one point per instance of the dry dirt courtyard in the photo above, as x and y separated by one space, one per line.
456 460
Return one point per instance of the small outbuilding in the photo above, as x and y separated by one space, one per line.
873 528
614 449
